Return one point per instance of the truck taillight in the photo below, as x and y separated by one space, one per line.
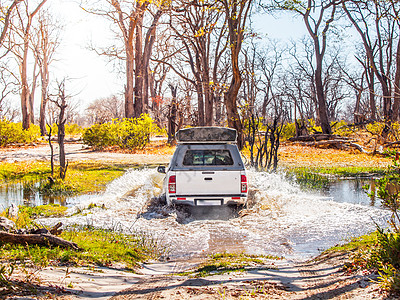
243 184
172 184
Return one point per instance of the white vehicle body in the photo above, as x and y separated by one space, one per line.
206 169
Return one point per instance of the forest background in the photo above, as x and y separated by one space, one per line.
204 63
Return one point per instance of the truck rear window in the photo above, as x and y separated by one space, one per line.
207 158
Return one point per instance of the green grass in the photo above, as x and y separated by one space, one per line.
357 243
221 263
319 178
340 171
82 177
98 247
26 215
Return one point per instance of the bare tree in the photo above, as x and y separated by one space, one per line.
20 47
105 109
7 14
45 41
199 28
60 101
129 18
8 86
377 30
317 17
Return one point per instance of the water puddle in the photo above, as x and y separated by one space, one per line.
26 193
284 220
351 191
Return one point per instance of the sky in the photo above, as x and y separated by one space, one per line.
92 77
89 75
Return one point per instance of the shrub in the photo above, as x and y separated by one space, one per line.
289 130
129 134
73 129
98 135
70 129
386 255
11 132
341 128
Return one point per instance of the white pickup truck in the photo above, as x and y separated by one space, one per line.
206 169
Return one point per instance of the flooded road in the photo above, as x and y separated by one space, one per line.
283 221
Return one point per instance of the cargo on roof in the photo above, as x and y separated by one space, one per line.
206 135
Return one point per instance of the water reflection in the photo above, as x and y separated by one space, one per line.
342 191
27 193
352 191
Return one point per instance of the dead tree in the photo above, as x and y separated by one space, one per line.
51 151
61 103
172 115
264 145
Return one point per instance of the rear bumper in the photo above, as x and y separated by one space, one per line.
209 200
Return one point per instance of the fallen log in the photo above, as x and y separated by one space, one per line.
334 143
316 137
43 239
391 144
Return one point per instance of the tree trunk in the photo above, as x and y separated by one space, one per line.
172 116
61 130
323 112
236 27
129 90
43 102
149 42
396 101
32 95
139 72
25 89
200 104
371 91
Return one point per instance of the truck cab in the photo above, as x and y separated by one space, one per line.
206 169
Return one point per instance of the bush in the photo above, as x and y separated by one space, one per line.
129 134
341 128
99 136
289 130
386 255
73 129
70 129
11 132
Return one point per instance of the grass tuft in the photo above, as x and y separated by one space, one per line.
221 263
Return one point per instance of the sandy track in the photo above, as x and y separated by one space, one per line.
323 278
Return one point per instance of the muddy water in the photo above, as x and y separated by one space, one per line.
283 221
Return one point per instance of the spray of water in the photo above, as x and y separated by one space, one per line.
282 221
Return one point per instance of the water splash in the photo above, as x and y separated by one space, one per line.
283 220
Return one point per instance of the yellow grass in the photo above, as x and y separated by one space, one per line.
303 156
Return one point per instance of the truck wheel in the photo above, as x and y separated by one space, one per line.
162 199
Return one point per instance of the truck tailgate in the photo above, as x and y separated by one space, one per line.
208 182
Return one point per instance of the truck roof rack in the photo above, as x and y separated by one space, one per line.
206 135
